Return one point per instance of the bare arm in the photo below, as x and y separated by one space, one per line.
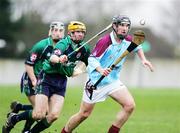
30 72
102 71
144 61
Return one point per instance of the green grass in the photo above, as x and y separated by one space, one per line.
157 111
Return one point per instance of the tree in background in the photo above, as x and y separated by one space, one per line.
171 26
32 31
7 29
31 21
20 35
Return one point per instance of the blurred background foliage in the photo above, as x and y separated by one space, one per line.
17 36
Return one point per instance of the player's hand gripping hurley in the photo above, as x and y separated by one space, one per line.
138 38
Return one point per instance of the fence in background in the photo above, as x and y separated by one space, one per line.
166 74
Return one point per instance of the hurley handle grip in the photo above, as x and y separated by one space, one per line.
130 48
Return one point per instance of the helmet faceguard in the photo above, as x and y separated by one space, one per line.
76 26
120 20
56 25
56 36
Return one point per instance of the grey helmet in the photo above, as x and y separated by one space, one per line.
120 19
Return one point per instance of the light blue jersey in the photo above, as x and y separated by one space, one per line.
105 53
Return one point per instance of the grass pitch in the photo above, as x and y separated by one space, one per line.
157 111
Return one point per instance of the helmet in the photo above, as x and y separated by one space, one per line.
76 25
57 25
120 19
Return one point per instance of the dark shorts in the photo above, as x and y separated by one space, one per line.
49 84
26 85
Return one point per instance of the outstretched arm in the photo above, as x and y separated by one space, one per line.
144 61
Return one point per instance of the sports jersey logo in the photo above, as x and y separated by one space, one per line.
57 52
33 57
48 54
78 55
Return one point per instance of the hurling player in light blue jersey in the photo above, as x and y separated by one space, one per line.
106 51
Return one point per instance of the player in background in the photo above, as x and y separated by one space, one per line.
40 52
106 51
52 81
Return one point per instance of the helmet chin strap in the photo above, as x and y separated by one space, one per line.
56 40
120 36
77 41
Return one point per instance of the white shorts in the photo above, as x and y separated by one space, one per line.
101 93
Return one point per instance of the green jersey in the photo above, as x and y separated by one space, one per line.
65 47
39 53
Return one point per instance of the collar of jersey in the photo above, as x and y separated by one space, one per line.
74 46
50 41
113 39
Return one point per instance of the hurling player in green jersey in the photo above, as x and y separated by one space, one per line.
51 86
40 52
53 79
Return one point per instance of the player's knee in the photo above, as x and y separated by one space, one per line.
85 114
38 115
53 116
130 107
